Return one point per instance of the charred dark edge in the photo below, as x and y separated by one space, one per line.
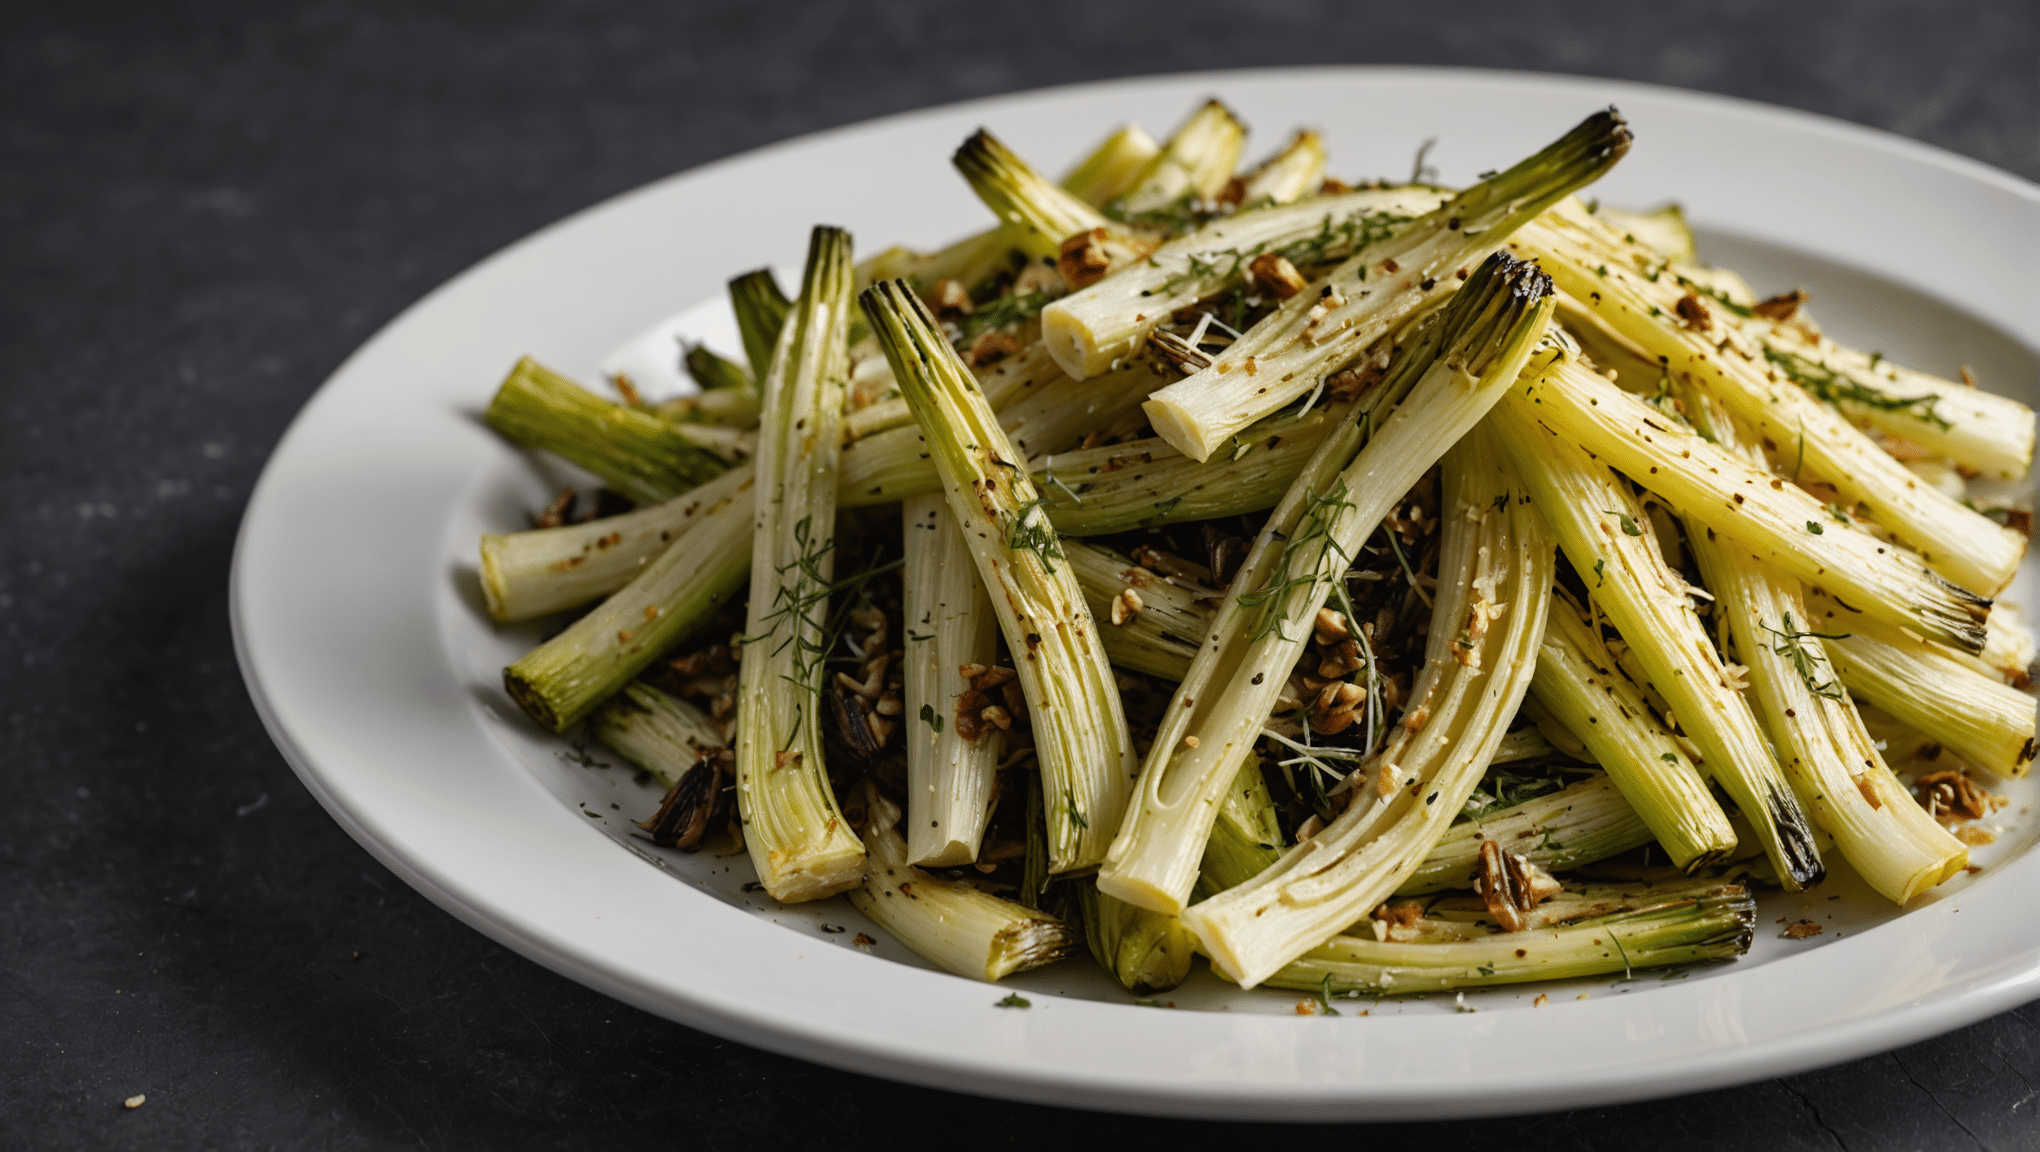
1964 616
761 309
1795 840
1705 859
1034 942
532 700
1740 903
1569 163
683 816
986 164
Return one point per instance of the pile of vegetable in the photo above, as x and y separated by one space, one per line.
1370 588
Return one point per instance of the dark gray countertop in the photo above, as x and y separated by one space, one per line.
206 206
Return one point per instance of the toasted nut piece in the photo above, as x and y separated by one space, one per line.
1333 711
998 717
1341 387
1331 723
951 300
1330 627
1085 258
1125 606
1274 274
969 719
1400 913
1511 886
1340 660
1342 695
992 678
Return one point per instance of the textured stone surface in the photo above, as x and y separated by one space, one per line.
206 206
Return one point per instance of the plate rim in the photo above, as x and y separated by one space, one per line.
1983 995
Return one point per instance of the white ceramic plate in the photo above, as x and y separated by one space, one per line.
360 633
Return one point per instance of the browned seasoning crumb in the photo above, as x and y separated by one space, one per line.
1952 794
864 940
1975 837
1541 1001
1305 1008
992 347
1801 930
557 512
1782 307
1693 313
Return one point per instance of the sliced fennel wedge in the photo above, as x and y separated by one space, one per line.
1086 755
1444 383
950 623
949 923
1607 536
1495 570
798 840
1091 329
1322 328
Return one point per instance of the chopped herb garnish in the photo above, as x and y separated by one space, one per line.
1314 527
1000 313
1502 789
1806 660
1739 309
1324 997
1013 1000
1836 388
931 718
1032 532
